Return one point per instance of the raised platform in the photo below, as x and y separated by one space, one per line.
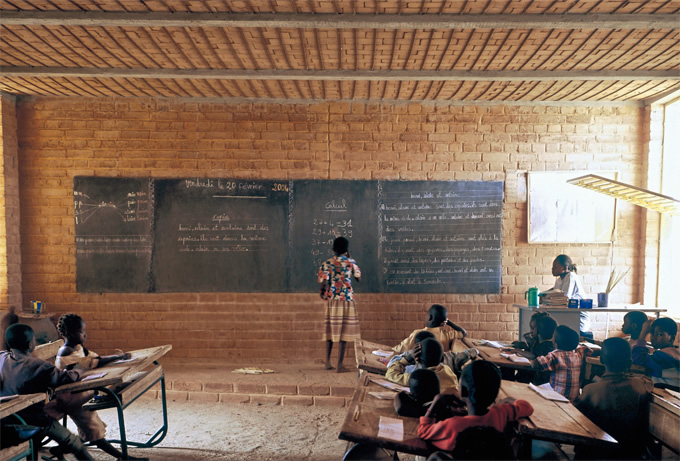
300 384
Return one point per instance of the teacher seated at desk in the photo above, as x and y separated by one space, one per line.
569 282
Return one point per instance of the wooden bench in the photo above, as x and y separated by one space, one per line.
48 351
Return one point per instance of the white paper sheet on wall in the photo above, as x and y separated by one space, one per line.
562 212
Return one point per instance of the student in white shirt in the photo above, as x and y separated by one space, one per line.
565 270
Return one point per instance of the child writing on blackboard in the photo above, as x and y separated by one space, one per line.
90 427
342 322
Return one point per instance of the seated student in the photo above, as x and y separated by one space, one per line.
438 324
478 443
424 387
539 339
479 385
618 403
430 357
664 364
633 322
454 360
20 373
541 345
564 363
90 427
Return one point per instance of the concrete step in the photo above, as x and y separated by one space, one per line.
299 384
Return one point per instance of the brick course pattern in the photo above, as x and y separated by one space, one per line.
60 138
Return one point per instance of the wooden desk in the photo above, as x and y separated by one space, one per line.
493 355
20 402
367 360
664 419
553 421
11 407
123 384
361 424
594 367
117 373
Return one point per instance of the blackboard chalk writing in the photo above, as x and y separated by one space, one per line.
339 205
241 196
114 239
199 183
407 236
110 251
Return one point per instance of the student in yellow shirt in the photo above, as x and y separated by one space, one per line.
436 322
430 357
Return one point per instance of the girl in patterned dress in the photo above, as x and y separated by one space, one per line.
341 320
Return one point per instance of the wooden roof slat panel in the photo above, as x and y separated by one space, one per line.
357 7
215 48
392 90
204 53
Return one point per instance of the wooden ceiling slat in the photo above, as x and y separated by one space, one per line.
661 90
366 7
539 90
584 90
92 86
509 55
49 83
615 87
9 56
666 59
521 39
548 48
622 48
115 87
79 53
28 43
561 88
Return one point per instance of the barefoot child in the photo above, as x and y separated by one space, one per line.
90 427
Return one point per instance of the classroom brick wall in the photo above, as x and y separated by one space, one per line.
60 138
10 253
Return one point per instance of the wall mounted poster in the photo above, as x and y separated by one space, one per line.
564 213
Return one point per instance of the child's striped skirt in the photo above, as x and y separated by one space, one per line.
342 321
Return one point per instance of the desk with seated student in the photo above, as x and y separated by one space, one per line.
361 425
493 354
558 422
554 421
11 406
123 382
367 360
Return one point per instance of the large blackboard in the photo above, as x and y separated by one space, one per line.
236 235
113 234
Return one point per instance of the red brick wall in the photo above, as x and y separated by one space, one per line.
10 253
61 138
